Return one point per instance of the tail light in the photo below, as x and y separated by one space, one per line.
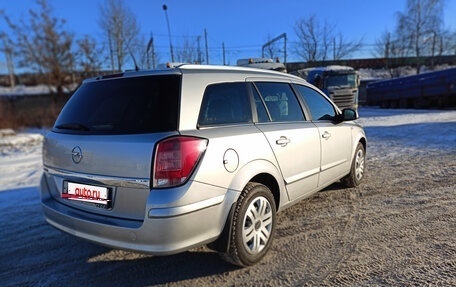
175 160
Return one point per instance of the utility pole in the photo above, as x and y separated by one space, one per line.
111 52
223 51
207 49
165 8
8 50
387 51
10 66
282 36
199 49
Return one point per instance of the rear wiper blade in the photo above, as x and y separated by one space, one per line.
73 126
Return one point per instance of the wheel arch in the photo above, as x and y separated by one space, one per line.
260 171
270 182
264 172
363 141
359 136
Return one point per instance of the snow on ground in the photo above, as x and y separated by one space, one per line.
21 163
394 230
400 130
21 90
20 159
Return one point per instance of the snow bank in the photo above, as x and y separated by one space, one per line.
20 159
22 90
9 140
393 133
376 117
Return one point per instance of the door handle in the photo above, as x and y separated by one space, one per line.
282 141
326 135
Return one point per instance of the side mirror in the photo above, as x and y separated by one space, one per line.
347 115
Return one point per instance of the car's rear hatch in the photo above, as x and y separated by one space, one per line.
98 155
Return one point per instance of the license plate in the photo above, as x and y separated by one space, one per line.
86 193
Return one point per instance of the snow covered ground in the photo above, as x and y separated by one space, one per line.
20 158
20 152
418 129
21 90
396 229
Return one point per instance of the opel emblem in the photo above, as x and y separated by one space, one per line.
76 154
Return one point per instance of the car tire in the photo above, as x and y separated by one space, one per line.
357 168
253 225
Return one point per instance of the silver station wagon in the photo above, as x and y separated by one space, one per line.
167 160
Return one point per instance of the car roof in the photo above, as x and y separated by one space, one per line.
193 68
240 69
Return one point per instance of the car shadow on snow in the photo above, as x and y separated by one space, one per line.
34 243
153 270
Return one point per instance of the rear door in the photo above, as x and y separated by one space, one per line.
294 140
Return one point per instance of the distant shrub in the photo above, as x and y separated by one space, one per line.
30 111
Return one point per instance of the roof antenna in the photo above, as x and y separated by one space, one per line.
134 61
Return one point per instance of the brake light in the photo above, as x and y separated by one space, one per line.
175 160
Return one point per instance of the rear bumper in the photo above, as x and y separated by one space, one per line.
163 231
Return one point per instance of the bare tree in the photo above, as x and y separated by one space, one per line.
343 48
43 45
419 32
272 50
120 28
447 44
312 42
188 51
316 41
89 57
382 46
7 47
393 52
419 27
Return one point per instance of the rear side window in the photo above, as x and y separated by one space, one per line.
145 104
280 101
320 107
225 103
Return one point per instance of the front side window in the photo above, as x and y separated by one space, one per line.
320 107
280 101
225 103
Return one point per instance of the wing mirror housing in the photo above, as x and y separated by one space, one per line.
347 115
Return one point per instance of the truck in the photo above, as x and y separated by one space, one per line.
339 83
262 63
427 90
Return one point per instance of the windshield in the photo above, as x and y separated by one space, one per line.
129 105
340 81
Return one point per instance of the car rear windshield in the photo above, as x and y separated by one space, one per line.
133 105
